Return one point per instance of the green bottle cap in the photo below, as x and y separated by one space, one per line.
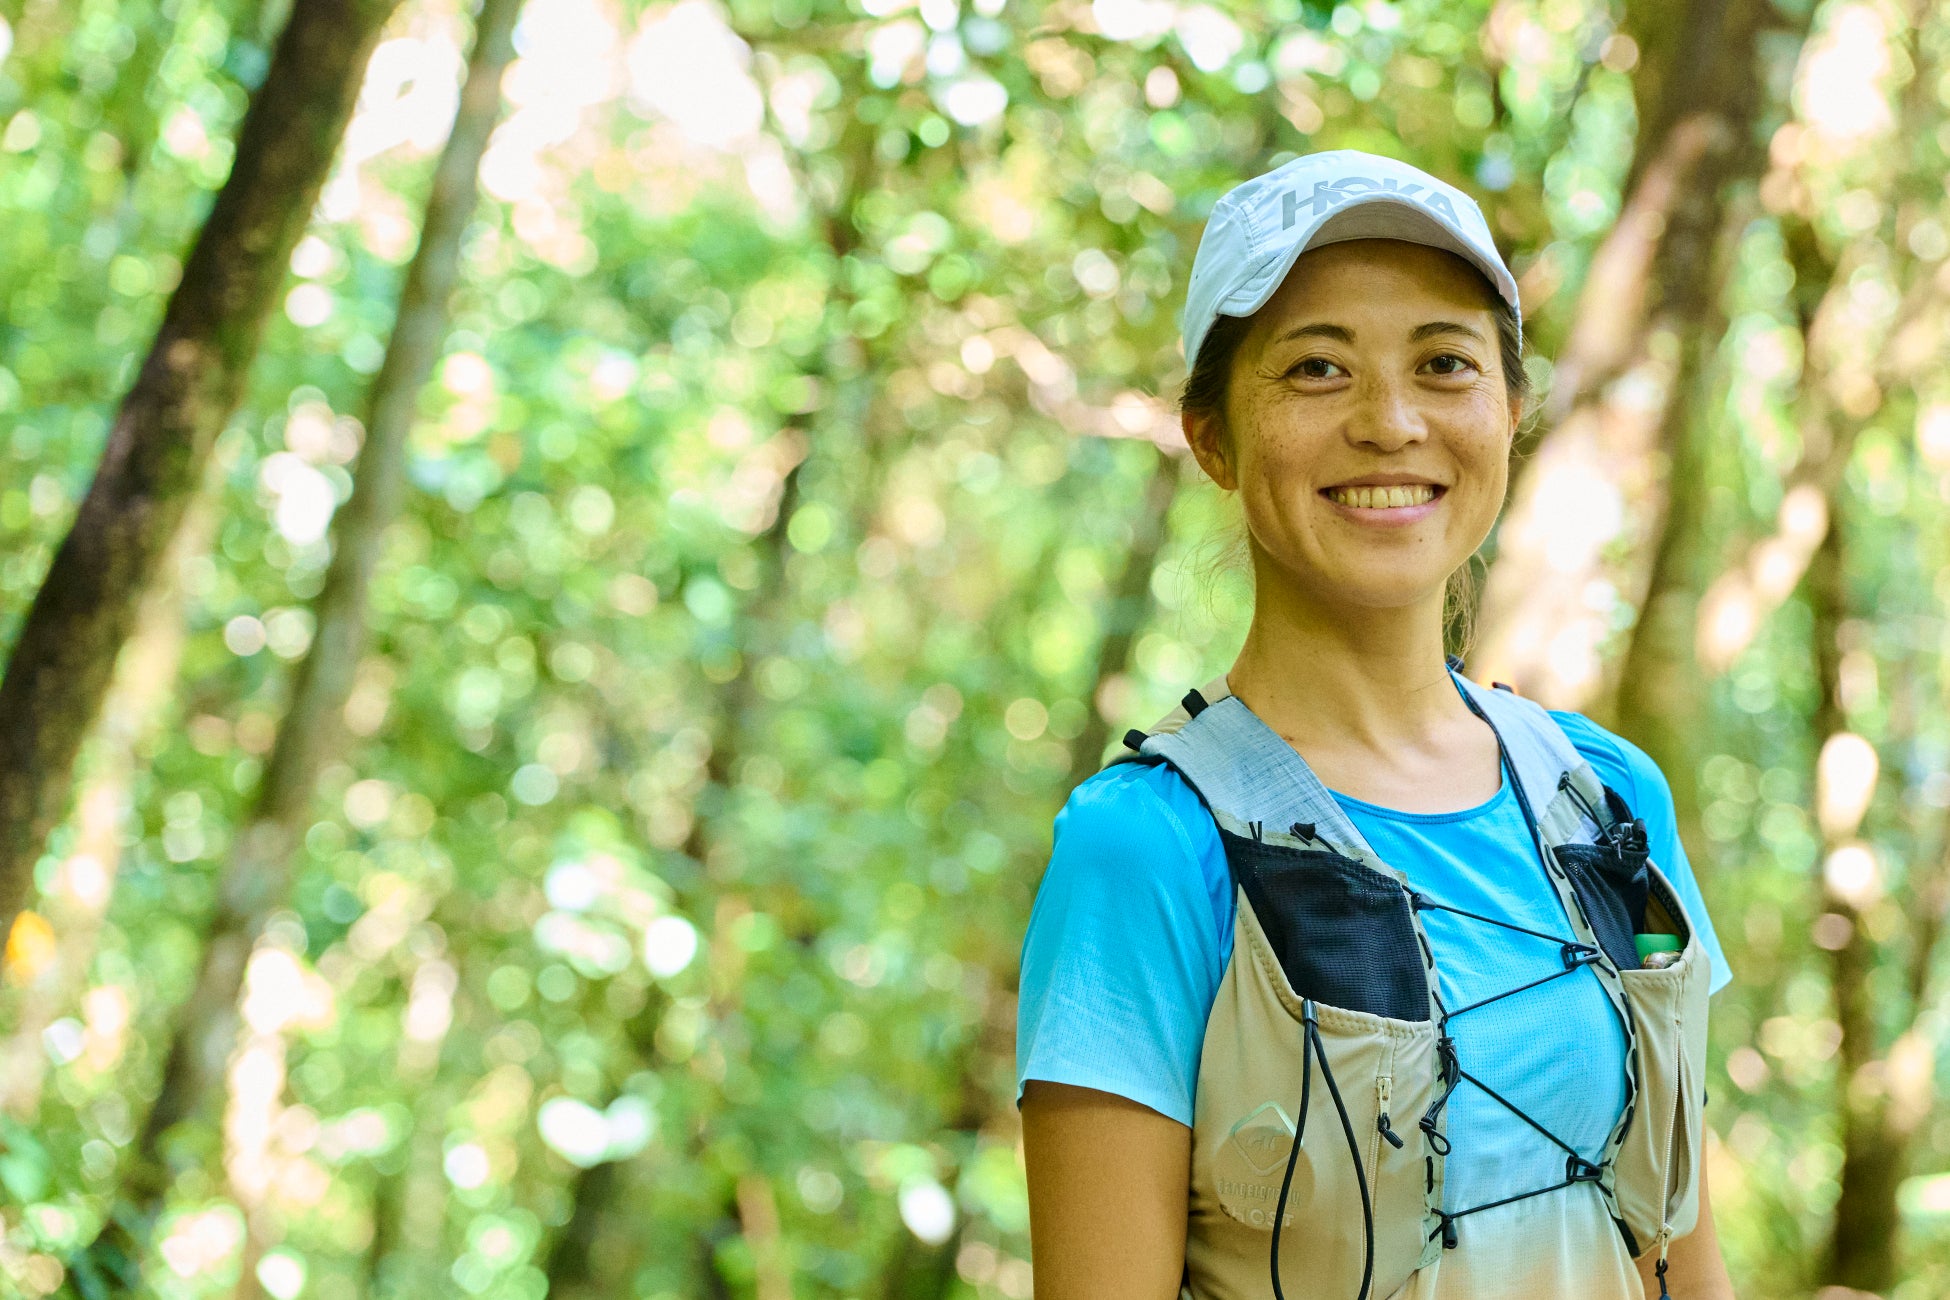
1651 943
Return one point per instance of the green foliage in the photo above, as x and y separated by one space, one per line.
751 597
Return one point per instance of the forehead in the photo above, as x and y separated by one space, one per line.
1377 279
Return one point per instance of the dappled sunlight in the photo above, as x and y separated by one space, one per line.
1845 782
408 99
1739 601
687 66
1839 88
618 830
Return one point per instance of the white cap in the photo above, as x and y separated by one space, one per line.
1259 229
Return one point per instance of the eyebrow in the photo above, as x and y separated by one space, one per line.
1339 333
1439 327
1342 334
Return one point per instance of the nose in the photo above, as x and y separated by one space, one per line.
1387 416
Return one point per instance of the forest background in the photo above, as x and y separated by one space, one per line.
555 567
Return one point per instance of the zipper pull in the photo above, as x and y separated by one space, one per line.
1660 1273
1383 1089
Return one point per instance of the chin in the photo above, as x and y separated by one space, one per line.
1369 578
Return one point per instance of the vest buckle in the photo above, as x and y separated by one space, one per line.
1579 1170
1578 954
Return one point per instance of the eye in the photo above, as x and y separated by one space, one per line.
1450 363
1315 368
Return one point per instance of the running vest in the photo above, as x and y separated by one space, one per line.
1327 1063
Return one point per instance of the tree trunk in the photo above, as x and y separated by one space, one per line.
187 389
920 1271
407 1259
1839 395
1884 1096
1658 694
1615 414
577 1263
256 877
1861 1251
571 1254
1692 627
78 902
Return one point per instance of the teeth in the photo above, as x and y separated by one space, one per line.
1383 498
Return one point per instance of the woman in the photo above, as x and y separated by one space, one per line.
1337 987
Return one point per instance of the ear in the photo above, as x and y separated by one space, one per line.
1204 434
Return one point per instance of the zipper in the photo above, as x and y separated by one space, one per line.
1384 1087
1383 1084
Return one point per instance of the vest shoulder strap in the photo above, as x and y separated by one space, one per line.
1247 773
1538 747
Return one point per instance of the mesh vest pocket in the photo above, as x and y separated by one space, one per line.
1611 883
1340 930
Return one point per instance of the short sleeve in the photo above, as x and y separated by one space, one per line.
1127 942
1631 772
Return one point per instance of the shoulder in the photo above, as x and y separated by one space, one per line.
1127 941
1133 805
1141 827
1619 763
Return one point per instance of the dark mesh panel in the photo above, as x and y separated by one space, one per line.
1340 930
1611 883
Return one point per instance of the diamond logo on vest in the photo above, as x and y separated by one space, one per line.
1248 1165
1264 1138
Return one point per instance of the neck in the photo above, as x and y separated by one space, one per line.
1346 675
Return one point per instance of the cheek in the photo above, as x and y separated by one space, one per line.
1490 464
1483 457
1279 453
1480 433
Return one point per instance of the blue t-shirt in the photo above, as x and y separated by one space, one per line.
1133 924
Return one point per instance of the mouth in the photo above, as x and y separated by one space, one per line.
1394 496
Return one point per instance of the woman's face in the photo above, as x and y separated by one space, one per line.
1367 425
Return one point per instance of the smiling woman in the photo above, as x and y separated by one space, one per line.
1437 1068
1374 377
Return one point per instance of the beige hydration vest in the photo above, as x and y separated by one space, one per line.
1327 1064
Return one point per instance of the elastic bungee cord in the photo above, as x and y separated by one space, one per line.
1311 1046
1293 1152
1574 955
